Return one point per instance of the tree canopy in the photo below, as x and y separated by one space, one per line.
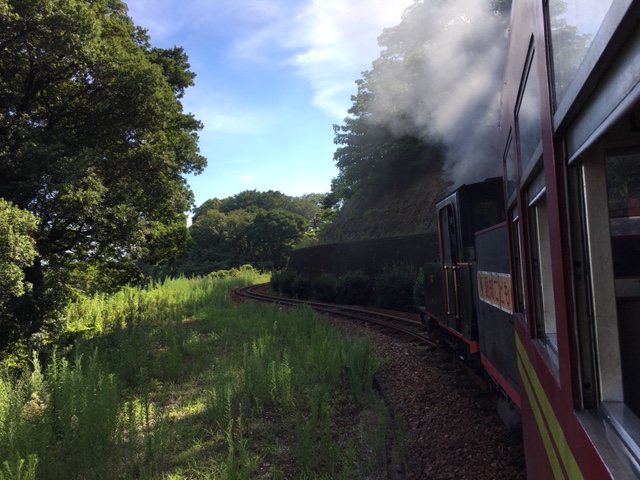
411 94
94 143
375 141
254 227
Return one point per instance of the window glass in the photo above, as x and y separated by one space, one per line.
535 188
510 168
573 24
623 192
518 281
541 282
448 235
528 119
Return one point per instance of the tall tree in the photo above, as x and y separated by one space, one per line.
376 141
93 142
399 123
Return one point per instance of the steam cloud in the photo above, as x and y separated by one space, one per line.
457 97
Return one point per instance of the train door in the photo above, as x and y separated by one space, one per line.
450 244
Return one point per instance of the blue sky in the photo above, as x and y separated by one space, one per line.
273 76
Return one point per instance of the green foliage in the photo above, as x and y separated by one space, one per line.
301 286
272 235
20 469
114 407
374 212
94 143
251 227
359 367
353 288
221 239
394 288
378 144
306 205
324 287
282 281
16 249
274 281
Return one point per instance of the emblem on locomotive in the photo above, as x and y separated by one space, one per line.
495 289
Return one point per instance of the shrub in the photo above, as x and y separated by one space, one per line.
324 287
281 281
353 288
394 288
301 286
275 281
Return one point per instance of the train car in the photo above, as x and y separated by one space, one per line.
548 300
570 143
449 311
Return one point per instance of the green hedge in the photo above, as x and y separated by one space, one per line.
324 287
394 289
282 281
401 288
353 288
301 286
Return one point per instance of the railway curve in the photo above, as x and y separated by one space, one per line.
412 329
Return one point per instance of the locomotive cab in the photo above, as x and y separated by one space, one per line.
450 286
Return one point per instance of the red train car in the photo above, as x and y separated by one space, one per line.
570 140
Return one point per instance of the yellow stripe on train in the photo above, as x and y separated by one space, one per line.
553 439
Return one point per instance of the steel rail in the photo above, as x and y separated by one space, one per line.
412 328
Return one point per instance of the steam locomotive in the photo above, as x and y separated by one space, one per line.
538 282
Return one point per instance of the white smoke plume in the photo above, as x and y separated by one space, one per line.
457 96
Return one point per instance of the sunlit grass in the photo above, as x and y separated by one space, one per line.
177 381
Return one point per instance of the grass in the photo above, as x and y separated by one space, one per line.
176 381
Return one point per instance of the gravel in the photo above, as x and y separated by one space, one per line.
450 424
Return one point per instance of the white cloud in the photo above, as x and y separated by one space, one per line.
224 113
328 43
164 18
339 41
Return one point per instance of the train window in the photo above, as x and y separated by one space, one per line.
518 286
528 119
623 195
510 169
540 268
608 206
601 295
449 237
572 26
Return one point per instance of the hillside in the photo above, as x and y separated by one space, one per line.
404 207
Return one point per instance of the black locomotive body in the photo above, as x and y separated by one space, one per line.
468 295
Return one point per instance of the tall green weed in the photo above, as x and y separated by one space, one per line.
175 380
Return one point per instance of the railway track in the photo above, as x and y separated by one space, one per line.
412 329
386 323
